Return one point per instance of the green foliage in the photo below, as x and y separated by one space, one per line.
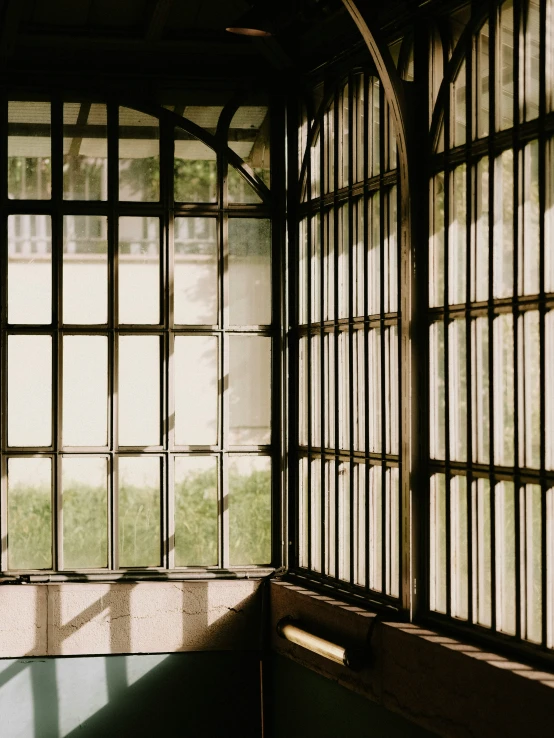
195 181
250 517
139 179
196 524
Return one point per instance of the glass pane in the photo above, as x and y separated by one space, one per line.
315 491
376 528
480 253
459 107
550 567
249 390
391 252
503 346
392 381
358 120
85 390
359 389
139 511
437 391
139 270
329 440
344 516
343 248
303 407
239 189
329 512
481 548
29 269
315 165
375 397
195 271
505 66
139 391
358 258
530 241
249 271
457 237
532 59
196 499
343 371
303 514
374 255
392 501
503 281
315 266
85 512
85 151
458 389
85 270
480 390
139 156
459 552
343 135
329 150
438 544
529 390
30 513
549 390
505 557
483 98
360 518
194 169
196 390
249 510
29 390
329 266
374 126
249 138
315 369
532 594
29 151
436 243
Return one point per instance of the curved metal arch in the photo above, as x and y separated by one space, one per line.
459 55
214 142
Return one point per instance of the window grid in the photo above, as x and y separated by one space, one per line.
166 450
495 487
348 333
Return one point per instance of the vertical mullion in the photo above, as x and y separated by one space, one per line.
337 130
351 180
166 315
57 322
519 501
323 231
365 205
307 411
113 307
493 15
224 348
384 150
3 334
470 205
542 314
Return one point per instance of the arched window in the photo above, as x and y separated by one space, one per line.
136 334
491 323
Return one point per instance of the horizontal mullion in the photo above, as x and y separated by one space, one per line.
373 457
370 597
343 324
503 473
500 306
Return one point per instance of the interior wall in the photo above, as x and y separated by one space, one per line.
193 694
304 703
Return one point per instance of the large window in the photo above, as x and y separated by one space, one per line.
137 340
348 503
491 329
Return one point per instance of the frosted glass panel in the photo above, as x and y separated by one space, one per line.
29 151
249 390
85 151
195 271
196 390
139 270
85 270
139 156
29 269
29 390
85 390
249 271
139 391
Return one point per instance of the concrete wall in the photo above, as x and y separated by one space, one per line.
306 704
124 618
195 694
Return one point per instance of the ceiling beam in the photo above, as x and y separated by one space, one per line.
13 12
158 19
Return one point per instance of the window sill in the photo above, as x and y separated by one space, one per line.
438 682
